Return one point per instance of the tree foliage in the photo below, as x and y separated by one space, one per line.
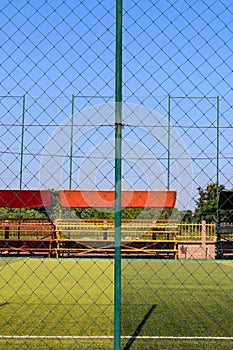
206 205
13 213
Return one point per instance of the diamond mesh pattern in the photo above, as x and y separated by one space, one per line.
57 126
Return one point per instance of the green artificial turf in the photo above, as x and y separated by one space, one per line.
74 297
184 298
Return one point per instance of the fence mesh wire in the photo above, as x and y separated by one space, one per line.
57 133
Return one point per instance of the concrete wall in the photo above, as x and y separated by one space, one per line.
196 250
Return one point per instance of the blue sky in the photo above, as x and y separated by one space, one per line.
53 49
177 47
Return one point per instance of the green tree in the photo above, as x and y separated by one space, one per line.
186 216
12 213
206 205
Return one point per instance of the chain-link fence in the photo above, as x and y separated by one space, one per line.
58 132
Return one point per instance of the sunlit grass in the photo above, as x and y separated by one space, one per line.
74 297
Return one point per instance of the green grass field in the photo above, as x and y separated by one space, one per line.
53 303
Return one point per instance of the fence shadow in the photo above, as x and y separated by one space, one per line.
139 328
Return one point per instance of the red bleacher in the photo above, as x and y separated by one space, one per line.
46 238
106 199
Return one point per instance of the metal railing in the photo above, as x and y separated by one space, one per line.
196 231
103 229
135 229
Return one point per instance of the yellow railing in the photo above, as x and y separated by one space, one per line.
196 231
103 229
136 229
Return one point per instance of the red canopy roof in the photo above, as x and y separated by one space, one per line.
25 198
106 199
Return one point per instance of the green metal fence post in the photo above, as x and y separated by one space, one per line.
168 142
217 162
118 141
22 144
71 141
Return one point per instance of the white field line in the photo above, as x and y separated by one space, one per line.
107 337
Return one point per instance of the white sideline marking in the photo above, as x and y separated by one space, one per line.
107 337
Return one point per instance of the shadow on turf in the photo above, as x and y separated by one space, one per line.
139 328
3 304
